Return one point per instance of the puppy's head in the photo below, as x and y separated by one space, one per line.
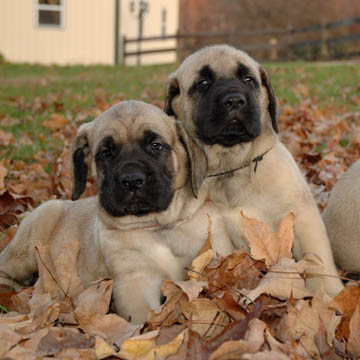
222 96
137 157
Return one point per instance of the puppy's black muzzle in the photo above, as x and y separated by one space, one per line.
132 178
135 183
234 101
228 114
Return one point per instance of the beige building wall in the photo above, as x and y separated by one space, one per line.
87 36
88 32
152 27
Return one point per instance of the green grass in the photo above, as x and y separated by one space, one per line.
70 89
330 84
31 81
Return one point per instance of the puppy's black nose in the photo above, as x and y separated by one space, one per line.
234 101
133 180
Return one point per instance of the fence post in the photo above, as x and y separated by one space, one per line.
123 50
324 37
273 51
289 41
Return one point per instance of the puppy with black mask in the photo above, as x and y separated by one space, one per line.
226 103
145 224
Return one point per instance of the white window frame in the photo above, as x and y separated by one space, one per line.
60 8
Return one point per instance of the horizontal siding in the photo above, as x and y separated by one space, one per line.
88 33
87 36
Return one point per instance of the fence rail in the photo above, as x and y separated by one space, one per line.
278 39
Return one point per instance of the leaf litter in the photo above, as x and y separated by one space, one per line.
248 305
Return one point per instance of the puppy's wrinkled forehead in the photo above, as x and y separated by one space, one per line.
128 121
222 60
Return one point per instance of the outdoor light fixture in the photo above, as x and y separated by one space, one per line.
139 8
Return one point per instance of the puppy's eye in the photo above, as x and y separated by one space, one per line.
202 83
156 146
106 152
250 80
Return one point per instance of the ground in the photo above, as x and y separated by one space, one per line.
40 110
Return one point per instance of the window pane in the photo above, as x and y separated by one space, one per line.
50 2
47 17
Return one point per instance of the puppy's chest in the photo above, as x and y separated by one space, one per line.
184 240
241 194
231 190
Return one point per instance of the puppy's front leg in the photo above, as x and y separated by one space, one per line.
137 292
311 237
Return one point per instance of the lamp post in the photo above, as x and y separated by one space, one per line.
139 11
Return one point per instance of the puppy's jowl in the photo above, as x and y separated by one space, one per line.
227 105
144 226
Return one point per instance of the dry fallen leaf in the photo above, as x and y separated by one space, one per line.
144 347
206 318
303 322
252 343
267 245
95 299
236 271
169 313
110 327
191 288
353 346
56 122
283 281
199 264
103 350
6 138
3 173
8 339
346 302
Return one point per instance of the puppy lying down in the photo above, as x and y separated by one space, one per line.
144 226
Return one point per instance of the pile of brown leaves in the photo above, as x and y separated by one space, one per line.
248 305
323 143
243 306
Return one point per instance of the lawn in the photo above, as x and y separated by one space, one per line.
30 95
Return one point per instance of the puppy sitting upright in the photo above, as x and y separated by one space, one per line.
227 104
145 225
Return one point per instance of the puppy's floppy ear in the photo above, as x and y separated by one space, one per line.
172 90
273 104
80 161
197 159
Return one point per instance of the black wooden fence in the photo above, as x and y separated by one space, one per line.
318 41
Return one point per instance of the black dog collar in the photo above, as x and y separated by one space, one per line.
255 160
